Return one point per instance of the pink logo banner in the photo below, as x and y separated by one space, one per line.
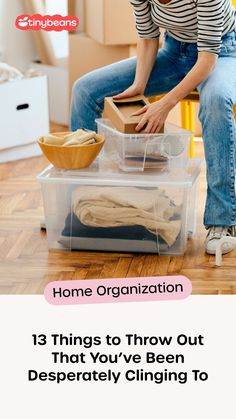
118 290
47 23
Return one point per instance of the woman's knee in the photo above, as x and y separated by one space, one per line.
80 87
215 102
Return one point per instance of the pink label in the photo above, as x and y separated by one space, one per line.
47 23
118 290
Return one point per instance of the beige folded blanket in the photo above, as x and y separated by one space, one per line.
120 206
77 138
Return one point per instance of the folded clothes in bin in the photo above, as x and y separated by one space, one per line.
73 227
151 162
153 212
106 207
77 236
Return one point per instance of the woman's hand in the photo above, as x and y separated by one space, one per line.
132 91
153 116
146 56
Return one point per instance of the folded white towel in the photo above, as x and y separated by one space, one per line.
120 206
77 138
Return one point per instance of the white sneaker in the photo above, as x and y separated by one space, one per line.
214 235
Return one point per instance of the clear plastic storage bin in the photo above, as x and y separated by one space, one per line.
94 209
137 152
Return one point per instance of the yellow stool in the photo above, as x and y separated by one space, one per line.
187 114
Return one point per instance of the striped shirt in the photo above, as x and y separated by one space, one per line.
195 21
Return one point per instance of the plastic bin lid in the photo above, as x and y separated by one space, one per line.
183 174
169 129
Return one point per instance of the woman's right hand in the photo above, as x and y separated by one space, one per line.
132 91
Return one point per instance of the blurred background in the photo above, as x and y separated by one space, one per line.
106 34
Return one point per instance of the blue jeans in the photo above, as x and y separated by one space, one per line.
217 96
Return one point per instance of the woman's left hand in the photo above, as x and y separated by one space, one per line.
153 116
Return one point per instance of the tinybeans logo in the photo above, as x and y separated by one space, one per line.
48 23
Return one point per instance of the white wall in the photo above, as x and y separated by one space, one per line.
17 47
1 31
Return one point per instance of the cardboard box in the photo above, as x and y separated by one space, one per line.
72 7
119 112
81 62
76 8
58 90
110 22
24 113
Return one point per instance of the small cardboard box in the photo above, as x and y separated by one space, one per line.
110 22
81 62
120 112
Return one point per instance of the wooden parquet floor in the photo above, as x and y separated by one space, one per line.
26 266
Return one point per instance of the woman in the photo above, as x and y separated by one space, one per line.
199 52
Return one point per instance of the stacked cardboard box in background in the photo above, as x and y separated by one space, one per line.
87 55
109 36
110 22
